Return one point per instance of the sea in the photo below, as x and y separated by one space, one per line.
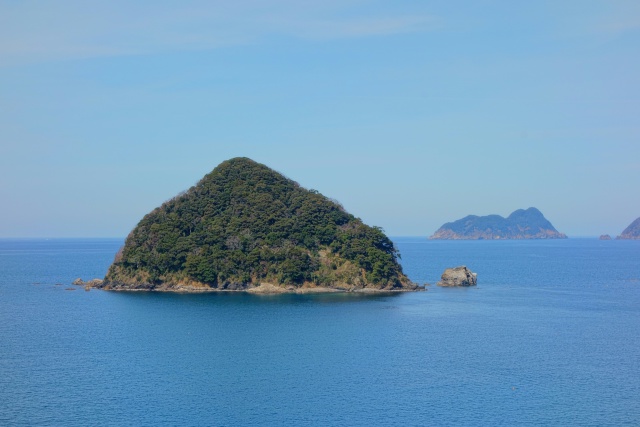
549 337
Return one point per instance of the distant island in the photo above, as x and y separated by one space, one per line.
245 227
605 237
521 224
632 232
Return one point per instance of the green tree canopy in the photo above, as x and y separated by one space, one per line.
244 223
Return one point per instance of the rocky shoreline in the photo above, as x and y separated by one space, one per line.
262 288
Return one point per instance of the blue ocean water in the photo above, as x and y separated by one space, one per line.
550 336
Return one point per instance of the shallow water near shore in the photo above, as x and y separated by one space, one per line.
550 336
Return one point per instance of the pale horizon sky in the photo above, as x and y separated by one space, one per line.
410 114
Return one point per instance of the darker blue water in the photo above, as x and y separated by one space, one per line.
551 336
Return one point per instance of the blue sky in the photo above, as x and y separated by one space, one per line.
411 114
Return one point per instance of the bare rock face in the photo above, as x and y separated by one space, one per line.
458 276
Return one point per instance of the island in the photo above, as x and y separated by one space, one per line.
246 227
458 276
632 232
604 237
521 224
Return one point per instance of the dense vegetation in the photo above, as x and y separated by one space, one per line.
244 224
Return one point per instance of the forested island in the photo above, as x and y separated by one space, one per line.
521 224
246 227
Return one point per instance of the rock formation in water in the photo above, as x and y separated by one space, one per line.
632 232
91 283
521 224
247 227
605 237
458 276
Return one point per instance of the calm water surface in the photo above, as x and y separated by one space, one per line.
551 336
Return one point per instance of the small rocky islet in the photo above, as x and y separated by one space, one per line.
521 224
458 276
246 227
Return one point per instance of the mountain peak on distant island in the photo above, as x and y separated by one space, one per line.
530 213
245 226
521 224
632 232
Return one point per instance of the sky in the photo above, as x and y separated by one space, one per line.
411 114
